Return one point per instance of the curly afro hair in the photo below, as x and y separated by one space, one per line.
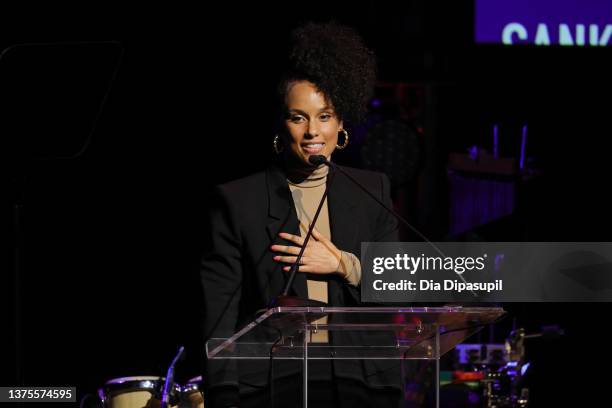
335 59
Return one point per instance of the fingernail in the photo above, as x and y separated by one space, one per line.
276 258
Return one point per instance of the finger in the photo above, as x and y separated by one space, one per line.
316 234
320 237
286 249
305 268
289 259
304 227
286 259
293 238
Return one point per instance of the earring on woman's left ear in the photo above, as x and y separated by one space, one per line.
346 140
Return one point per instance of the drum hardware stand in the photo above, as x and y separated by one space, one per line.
503 388
169 383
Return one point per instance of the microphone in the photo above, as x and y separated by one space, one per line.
169 384
293 301
318 160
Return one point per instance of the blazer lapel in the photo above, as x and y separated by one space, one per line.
282 217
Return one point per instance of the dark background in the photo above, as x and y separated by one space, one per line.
112 238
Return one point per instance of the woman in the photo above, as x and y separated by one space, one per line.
258 224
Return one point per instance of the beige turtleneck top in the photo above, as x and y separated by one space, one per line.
306 195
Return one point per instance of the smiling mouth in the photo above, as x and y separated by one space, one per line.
313 148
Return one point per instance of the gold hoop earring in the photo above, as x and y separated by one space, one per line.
275 145
346 140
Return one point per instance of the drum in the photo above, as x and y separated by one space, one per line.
133 392
145 392
191 394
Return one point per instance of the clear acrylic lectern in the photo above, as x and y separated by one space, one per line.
357 333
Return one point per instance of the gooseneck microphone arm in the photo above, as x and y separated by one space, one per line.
319 159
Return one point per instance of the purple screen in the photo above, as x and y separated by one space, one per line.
544 22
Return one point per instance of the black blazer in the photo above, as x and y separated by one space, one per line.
238 273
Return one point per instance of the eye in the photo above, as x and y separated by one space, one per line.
296 118
325 117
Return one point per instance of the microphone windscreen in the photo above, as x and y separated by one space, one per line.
317 160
